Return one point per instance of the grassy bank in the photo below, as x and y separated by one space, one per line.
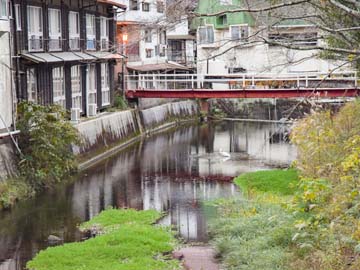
255 232
128 240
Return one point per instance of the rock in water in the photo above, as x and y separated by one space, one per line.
54 239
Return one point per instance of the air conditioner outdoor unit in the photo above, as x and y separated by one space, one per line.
92 109
75 115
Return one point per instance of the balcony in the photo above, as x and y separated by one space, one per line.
55 44
74 43
181 58
104 44
36 43
91 44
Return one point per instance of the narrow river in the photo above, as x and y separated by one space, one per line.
173 172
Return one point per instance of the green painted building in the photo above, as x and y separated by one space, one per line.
222 21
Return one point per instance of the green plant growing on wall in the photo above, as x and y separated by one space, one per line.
46 141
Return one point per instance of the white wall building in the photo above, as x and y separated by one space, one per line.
6 86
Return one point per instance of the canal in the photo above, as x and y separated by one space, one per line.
174 172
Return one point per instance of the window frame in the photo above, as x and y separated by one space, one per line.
59 96
56 35
76 86
145 4
18 17
39 33
74 16
104 23
105 84
241 37
90 37
4 10
207 40
31 80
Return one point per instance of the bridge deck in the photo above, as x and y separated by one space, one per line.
324 85
245 93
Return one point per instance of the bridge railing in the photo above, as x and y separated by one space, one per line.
346 79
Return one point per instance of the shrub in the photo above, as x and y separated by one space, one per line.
45 139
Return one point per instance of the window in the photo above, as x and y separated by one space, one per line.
239 32
90 32
160 6
222 20
145 7
134 5
206 34
35 28
148 36
148 53
91 89
58 86
31 85
105 84
74 30
76 96
162 37
54 29
104 33
18 17
3 9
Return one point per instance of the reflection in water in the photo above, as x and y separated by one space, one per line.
170 172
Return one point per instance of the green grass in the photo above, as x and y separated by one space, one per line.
254 232
252 235
133 243
280 182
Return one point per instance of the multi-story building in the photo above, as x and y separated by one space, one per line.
7 98
66 52
151 42
233 42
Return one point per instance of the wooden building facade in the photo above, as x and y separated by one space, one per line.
65 53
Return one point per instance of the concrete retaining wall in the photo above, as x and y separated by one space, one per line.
7 159
107 131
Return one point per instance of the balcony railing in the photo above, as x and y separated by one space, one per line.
181 58
36 43
74 43
104 43
55 44
91 44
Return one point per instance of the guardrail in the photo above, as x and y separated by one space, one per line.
242 81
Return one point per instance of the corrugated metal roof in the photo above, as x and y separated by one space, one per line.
85 56
42 57
67 56
105 55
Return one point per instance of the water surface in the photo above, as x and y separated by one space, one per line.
171 172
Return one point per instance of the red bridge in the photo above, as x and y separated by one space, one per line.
322 85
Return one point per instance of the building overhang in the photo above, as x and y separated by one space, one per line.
113 3
180 37
59 57
158 67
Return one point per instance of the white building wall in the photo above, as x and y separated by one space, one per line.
256 57
5 76
138 15
151 20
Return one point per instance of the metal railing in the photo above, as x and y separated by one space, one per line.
346 79
36 44
74 43
55 44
